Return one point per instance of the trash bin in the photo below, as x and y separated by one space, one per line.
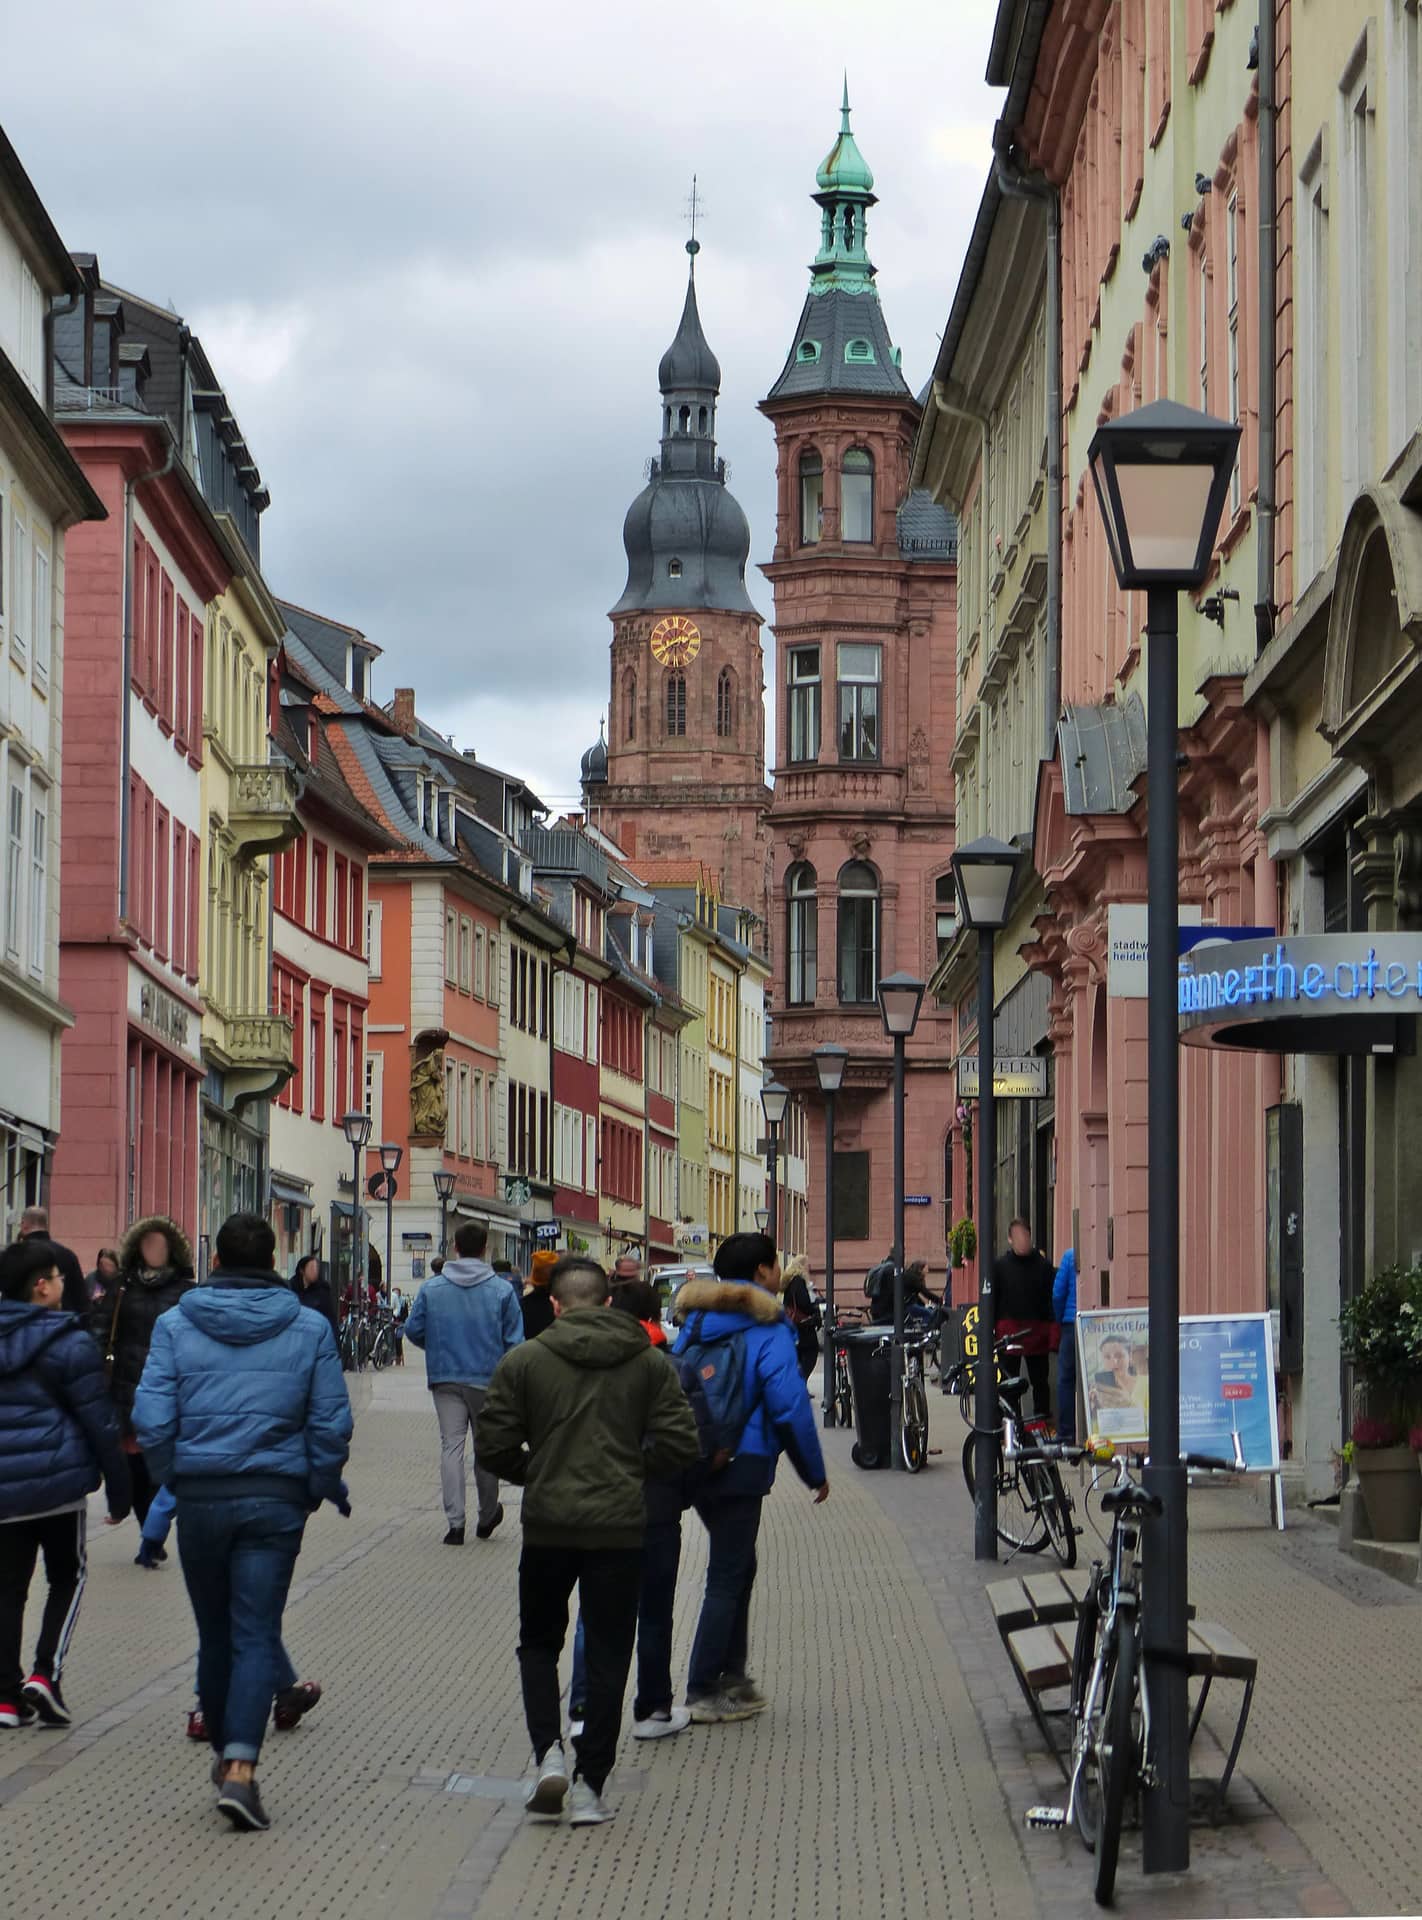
869 1374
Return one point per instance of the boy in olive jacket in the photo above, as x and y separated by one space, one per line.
582 1418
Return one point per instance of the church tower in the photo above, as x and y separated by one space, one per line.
681 775
864 577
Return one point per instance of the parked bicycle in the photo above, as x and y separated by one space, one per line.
1034 1509
367 1338
841 1389
1113 1753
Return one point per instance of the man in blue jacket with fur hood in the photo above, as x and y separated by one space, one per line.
243 1411
743 1303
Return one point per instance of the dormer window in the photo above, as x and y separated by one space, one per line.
809 350
858 351
674 569
359 667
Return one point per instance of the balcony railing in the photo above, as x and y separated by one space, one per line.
254 1041
836 786
264 802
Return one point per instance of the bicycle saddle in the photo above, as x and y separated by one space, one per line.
1013 1389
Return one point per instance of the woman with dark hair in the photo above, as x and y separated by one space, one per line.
641 1299
803 1313
313 1289
155 1271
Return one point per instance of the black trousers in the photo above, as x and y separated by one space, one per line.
60 1537
607 1579
1039 1370
141 1481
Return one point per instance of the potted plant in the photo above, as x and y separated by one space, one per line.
963 1242
1381 1328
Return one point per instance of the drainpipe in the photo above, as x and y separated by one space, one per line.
1017 185
980 421
125 822
1268 324
53 311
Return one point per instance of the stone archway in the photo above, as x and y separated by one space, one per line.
1374 648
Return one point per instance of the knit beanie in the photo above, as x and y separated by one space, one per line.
544 1261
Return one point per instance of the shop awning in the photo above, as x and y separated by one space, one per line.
1319 993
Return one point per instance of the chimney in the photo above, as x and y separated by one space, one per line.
403 711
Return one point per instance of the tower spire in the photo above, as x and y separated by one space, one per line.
844 107
694 206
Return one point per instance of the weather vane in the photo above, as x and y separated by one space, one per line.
695 208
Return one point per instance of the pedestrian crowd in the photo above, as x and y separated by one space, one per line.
223 1407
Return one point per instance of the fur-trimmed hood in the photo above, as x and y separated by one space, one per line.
726 1296
180 1252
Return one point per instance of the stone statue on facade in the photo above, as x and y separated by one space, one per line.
429 1111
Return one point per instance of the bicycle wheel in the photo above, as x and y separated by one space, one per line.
1019 1525
1086 1719
843 1394
913 1436
1118 1756
1056 1512
380 1350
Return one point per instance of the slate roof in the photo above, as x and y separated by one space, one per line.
833 319
927 531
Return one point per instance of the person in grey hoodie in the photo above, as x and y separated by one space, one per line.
466 1321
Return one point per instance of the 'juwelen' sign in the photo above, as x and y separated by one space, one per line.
1320 993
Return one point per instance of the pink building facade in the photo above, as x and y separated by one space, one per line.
862 817
1133 111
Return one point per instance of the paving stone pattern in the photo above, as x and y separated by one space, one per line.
886 1778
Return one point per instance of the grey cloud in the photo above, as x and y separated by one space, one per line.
441 245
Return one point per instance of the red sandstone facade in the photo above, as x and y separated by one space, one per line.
138 588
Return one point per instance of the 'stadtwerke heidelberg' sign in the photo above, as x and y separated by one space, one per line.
1339 992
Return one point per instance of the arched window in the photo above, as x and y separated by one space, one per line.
726 703
812 498
849 227
856 495
803 928
668 425
676 704
683 420
629 704
701 418
858 933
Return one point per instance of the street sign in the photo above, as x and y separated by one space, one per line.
1015 1076
1127 967
918 1199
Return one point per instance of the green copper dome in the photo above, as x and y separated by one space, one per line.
844 168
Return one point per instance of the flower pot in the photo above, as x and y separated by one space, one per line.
1392 1491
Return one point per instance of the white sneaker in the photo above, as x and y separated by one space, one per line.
586 1808
548 1786
661 1726
575 1729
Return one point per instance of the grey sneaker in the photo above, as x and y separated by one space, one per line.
713 1708
744 1689
242 1804
586 1808
548 1785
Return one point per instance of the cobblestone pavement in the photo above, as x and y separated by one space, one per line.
887 1777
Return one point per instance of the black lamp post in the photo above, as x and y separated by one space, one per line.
1162 474
900 997
444 1187
830 1063
356 1127
774 1099
984 871
390 1157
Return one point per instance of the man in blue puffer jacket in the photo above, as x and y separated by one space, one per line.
743 1303
58 1434
243 1410
1064 1311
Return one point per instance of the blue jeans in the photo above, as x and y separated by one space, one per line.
661 1556
160 1516
1066 1384
720 1649
238 1557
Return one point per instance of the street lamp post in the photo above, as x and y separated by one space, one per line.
830 1063
1161 476
444 1187
390 1157
984 872
900 997
356 1127
774 1100
762 1218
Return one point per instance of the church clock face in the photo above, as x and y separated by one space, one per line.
676 641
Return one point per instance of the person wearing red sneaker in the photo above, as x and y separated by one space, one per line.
59 1438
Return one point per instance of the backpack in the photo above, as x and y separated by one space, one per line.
713 1378
879 1280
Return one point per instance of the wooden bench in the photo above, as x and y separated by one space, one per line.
1036 1619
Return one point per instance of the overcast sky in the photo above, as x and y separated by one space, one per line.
435 252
